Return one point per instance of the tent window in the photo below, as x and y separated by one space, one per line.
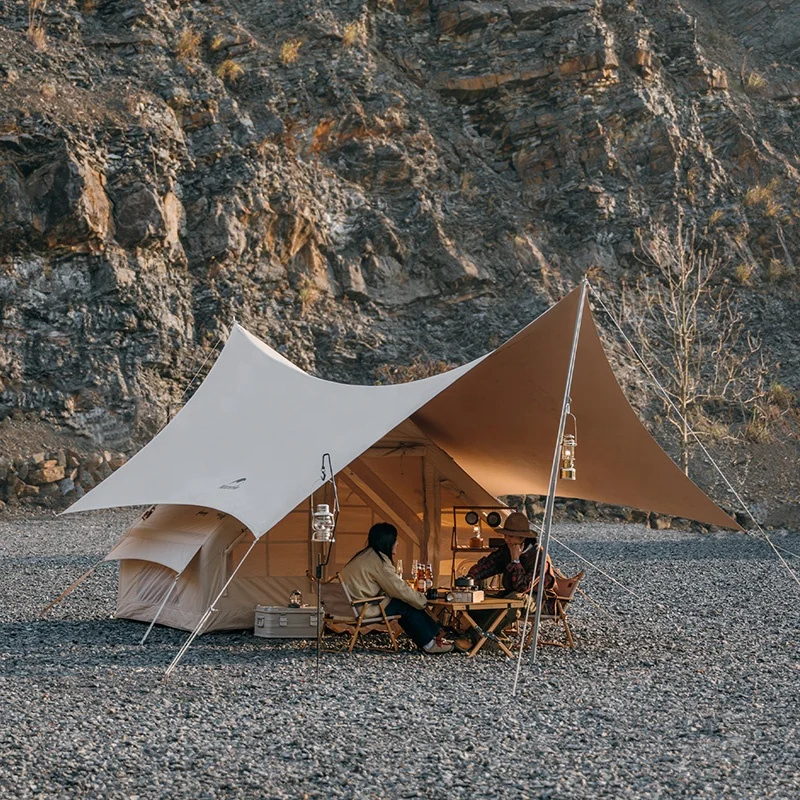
153 582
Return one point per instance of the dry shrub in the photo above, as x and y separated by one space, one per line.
354 33
777 270
35 32
782 397
230 71
290 50
188 44
421 367
757 431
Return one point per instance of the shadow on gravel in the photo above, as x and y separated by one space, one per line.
40 648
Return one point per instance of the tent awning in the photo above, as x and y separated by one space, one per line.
251 439
171 549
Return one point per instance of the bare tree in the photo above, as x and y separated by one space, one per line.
690 330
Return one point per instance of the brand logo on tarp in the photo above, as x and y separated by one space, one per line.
233 485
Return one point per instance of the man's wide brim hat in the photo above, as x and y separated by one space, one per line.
517 524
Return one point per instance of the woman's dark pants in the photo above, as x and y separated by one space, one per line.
418 624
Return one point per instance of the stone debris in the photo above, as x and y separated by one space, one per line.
688 692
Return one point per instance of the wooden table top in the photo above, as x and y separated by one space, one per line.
489 603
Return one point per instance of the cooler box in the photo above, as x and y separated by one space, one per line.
275 622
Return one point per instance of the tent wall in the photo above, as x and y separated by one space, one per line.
405 480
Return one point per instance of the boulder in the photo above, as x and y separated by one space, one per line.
69 201
66 485
50 472
139 217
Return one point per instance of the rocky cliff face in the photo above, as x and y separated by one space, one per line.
360 183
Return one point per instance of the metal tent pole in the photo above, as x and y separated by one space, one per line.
209 611
161 607
551 493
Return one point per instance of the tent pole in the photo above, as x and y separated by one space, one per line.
551 493
71 587
209 611
161 607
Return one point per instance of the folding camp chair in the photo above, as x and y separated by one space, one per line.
556 601
356 617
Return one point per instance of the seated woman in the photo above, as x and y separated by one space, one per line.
371 572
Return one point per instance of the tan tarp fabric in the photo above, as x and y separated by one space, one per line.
500 421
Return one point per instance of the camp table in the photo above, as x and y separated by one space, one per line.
464 611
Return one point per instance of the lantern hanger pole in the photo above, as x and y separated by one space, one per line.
325 475
548 514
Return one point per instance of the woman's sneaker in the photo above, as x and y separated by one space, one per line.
438 646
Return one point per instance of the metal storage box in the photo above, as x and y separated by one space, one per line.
276 622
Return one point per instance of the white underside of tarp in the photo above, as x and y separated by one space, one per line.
250 441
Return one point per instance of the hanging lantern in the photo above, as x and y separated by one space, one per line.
322 524
568 445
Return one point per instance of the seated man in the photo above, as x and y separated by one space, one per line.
518 562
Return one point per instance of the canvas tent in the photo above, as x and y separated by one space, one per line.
241 461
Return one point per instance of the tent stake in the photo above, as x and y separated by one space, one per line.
161 607
551 493
209 611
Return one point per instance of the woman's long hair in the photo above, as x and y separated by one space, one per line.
381 539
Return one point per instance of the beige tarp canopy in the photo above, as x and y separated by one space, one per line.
249 443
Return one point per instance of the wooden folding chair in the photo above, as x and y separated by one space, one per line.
556 601
355 617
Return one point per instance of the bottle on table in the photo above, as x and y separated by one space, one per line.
428 577
421 584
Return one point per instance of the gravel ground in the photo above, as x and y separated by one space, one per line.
690 692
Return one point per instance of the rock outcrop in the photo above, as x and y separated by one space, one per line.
362 182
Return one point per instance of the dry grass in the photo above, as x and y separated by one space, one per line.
716 217
290 51
355 33
782 397
777 270
217 42
760 194
35 32
744 274
754 81
188 44
230 71
307 294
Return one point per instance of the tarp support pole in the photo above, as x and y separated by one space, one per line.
71 587
209 611
551 493
161 607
